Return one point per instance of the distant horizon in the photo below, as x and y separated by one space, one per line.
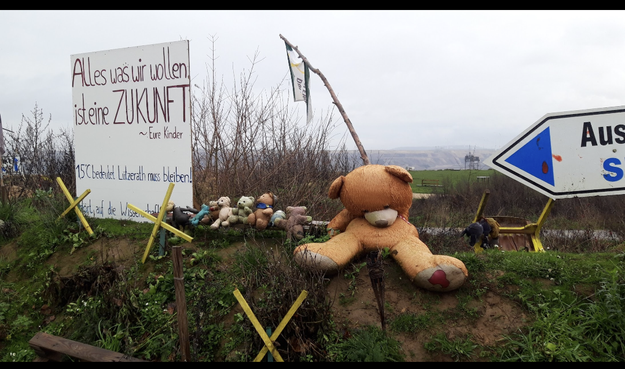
432 148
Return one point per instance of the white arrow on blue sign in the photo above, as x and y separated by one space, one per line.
569 154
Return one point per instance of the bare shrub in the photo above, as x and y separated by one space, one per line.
457 205
246 144
43 155
271 283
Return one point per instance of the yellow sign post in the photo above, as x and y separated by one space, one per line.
158 222
269 346
73 204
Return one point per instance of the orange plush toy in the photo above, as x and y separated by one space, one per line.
377 199
261 216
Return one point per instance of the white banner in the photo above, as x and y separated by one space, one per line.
300 80
132 128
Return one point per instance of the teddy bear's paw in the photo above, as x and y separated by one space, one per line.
314 261
445 277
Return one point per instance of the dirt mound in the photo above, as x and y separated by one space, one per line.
355 306
493 315
120 251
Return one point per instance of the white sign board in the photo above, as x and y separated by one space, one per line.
570 154
132 128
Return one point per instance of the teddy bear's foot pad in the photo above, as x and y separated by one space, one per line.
313 261
440 278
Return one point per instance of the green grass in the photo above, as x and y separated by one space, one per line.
446 177
575 303
567 325
458 349
369 344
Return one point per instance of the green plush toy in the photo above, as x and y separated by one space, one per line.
242 211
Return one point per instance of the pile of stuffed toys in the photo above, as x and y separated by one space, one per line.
376 200
257 213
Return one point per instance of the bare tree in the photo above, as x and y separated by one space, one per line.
247 143
42 154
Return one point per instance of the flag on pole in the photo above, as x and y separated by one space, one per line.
300 80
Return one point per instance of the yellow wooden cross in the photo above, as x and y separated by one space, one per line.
158 222
269 346
73 204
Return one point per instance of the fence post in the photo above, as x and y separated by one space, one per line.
181 303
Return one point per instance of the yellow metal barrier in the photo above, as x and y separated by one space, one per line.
73 204
531 229
269 346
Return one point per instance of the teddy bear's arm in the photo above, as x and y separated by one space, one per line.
301 219
341 220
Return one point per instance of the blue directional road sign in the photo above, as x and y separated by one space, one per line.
569 154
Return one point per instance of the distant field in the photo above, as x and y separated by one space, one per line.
444 177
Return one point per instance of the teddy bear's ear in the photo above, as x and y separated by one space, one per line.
335 188
399 172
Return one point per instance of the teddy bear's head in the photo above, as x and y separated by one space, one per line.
378 193
266 200
223 202
245 201
296 212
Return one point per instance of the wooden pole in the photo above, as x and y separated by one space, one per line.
181 303
376 274
363 154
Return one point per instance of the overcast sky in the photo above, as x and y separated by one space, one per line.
405 78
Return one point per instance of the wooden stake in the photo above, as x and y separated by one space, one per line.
181 303
363 154
376 274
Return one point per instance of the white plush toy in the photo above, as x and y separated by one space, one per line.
225 211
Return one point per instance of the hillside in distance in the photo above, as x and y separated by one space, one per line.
433 158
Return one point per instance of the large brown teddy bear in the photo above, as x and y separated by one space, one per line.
377 199
261 216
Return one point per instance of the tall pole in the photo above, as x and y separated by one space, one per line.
363 154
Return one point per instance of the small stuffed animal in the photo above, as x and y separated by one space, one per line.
294 224
207 214
260 218
180 217
202 217
225 211
377 199
278 220
243 210
213 209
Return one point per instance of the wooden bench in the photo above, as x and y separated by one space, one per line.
53 348
430 182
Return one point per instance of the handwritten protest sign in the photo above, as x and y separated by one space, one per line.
132 128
